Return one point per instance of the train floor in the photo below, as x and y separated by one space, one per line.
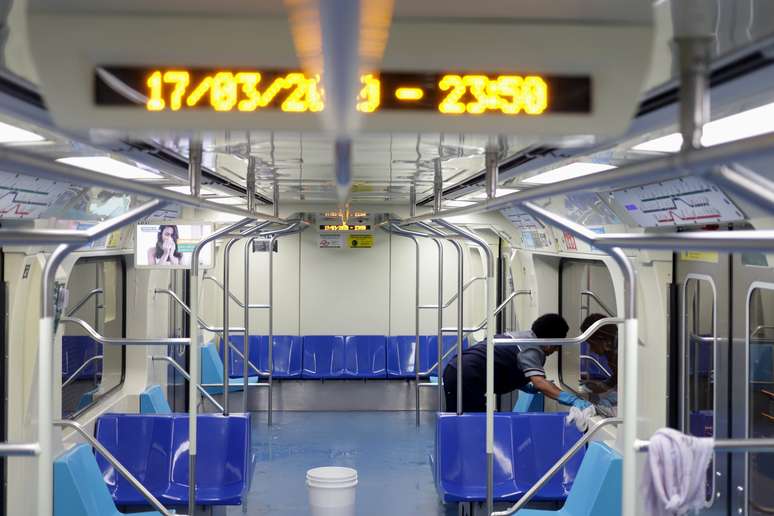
388 450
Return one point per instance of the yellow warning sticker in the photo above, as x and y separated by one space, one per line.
699 256
360 241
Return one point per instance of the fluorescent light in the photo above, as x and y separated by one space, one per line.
13 134
480 196
669 143
453 203
231 201
573 170
186 190
109 166
745 124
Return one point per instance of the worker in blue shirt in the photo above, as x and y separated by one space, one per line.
515 367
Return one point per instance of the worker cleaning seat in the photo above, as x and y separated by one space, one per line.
212 372
526 446
366 356
324 357
79 487
597 487
153 401
527 402
287 355
154 448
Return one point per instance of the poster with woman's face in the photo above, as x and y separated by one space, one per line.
171 245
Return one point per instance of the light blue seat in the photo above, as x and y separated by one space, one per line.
597 487
79 488
212 372
152 401
528 402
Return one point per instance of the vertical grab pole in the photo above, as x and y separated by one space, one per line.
439 245
45 347
460 320
271 325
226 323
194 352
246 324
490 307
416 325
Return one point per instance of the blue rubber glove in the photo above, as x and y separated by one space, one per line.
529 389
566 398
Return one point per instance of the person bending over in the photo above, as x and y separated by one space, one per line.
514 368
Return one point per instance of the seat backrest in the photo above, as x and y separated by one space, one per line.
142 443
449 341
153 401
527 402
324 357
286 355
78 485
366 356
224 460
597 487
212 365
400 355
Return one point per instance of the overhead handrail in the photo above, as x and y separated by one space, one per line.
83 366
454 297
19 449
726 445
608 321
231 294
499 309
89 295
564 459
761 328
183 372
597 363
595 297
122 341
116 464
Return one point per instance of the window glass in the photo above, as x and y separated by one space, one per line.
699 336
761 398
591 368
89 369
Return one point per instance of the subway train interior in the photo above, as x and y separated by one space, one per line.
387 257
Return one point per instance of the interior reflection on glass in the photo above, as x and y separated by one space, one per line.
599 362
88 368
699 336
761 398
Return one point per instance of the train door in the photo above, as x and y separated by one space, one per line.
586 288
752 379
703 281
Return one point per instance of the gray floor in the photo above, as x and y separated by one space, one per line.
386 448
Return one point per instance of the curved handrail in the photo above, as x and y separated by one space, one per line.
562 342
595 297
564 459
115 463
231 295
499 309
597 363
123 341
188 377
456 294
73 376
85 299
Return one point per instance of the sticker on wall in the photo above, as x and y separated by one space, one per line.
569 242
699 256
360 241
331 240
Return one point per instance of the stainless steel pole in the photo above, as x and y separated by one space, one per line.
416 324
460 320
195 166
271 329
226 322
194 356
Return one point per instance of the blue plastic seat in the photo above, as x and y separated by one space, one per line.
526 446
400 356
153 401
366 356
527 402
212 372
597 487
324 357
449 341
287 355
154 448
79 488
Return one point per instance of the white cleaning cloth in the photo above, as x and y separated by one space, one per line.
675 476
581 417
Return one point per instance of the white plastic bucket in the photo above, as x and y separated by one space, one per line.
331 491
